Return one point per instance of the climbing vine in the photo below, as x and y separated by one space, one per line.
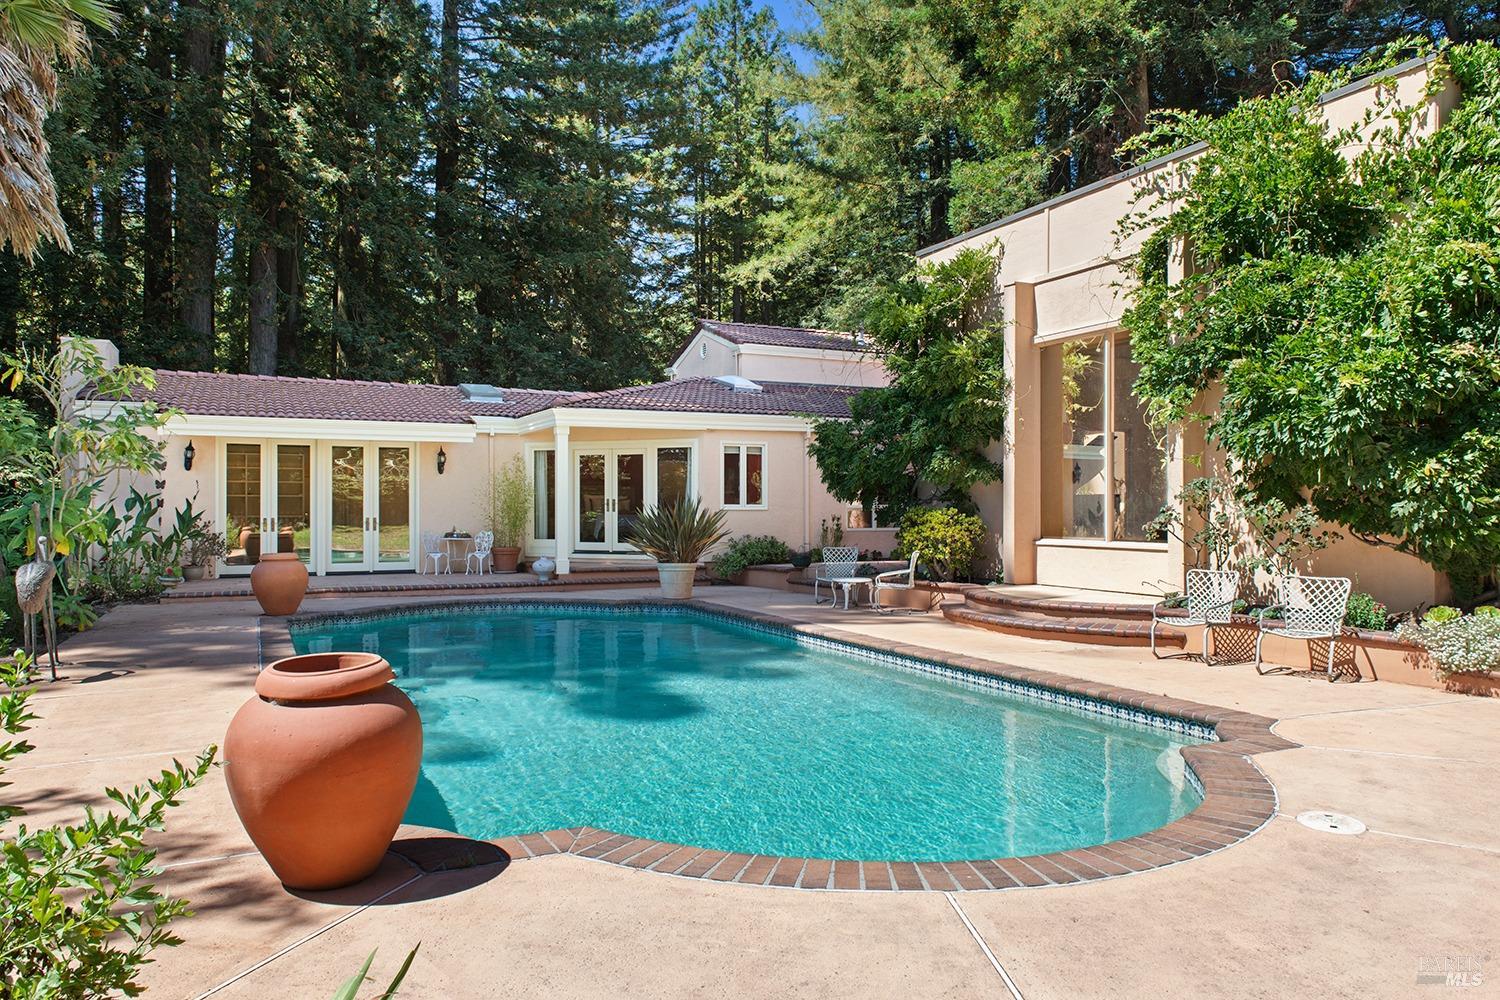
1342 294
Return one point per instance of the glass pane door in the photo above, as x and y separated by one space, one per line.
593 496
294 499
242 507
630 496
347 540
671 475
393 521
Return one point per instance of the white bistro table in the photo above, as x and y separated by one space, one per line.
849 583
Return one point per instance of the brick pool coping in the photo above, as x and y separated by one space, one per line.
1238 799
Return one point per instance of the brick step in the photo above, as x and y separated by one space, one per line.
1001 603
1099 630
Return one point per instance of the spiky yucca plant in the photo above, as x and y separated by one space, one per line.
680 533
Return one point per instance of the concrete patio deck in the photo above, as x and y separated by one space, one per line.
1289 911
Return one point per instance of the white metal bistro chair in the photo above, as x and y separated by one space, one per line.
1312 607
895 579
479 556
838 564
434 552
1210 601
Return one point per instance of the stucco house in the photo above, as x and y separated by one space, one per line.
351 475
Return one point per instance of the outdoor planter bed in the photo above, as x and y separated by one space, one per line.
1372 655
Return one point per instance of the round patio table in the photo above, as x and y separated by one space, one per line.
849 583
458 547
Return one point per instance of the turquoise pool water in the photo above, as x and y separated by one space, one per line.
701 731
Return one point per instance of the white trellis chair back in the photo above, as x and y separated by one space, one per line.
839 560
1313 604
479 556
433 552
1211 594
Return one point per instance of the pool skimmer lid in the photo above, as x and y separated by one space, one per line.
1330 822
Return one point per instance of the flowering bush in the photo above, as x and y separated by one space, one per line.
1366 612
947 539
1466 644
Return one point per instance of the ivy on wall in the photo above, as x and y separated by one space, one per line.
1345 296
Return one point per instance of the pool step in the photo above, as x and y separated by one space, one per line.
1090 624
1010 603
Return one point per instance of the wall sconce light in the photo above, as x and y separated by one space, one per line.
187 456
442 457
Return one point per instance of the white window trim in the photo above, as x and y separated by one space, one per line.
539 546
765 474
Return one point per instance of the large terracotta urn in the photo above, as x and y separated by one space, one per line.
504 559
321 764
279 581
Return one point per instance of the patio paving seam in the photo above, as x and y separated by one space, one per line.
1010 984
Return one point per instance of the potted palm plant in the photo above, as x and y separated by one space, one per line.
510 509
676 537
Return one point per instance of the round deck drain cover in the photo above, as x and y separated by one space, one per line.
1330 822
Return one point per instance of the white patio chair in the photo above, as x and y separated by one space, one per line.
479 556
434 552
1210 601
838 564
1312 607
895 579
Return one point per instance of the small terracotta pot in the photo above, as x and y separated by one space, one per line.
279 581
677 579
321 765
504 560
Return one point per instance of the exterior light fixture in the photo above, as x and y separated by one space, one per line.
442 459
187 456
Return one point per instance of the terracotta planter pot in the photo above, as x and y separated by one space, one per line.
279 581
677 579
504 560
321 764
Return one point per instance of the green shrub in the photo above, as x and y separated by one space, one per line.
79 915
1367 613
947 539
751 550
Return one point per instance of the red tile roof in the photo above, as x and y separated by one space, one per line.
708 395
219 394
781 336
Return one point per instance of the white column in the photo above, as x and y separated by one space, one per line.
562 498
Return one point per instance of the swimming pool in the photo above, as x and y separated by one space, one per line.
695 728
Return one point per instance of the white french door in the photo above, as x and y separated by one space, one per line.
614 486
267 501
370 508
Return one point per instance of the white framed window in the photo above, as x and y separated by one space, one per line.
744 476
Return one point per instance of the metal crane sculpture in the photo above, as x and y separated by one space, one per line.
34 592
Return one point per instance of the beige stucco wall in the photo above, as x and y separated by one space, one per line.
709 356
1061 276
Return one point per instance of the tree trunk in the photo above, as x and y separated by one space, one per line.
289 282
156 236
199 109
445 182
264 201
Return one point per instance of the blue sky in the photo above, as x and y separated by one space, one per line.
794 16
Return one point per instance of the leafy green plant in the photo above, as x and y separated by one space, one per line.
1343 294
1365 612
929 430
750 550
679 533
1487 611
79 914
830 532
1457 643
350 989
947 539
510 502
